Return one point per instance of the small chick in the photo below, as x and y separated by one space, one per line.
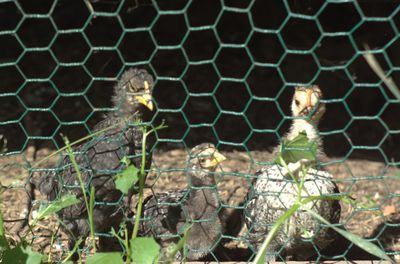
307 111
165 214
273 192
99 159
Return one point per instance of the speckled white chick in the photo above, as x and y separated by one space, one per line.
273 192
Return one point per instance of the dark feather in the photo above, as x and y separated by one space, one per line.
99 159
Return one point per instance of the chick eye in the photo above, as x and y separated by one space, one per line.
297 102
131 88
202 160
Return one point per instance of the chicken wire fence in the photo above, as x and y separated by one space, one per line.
224 72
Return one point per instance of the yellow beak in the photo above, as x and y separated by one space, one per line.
217 159
146 100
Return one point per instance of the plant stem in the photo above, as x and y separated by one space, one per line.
302 180
260 257
51 246
83 188
289 171
90 216
127 247
73 251
300 166
180 245
142 177
141 185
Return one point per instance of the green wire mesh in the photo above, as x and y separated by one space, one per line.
224 72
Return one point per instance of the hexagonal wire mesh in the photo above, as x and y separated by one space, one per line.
225 72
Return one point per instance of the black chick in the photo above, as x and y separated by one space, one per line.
273 192
99 160
165 214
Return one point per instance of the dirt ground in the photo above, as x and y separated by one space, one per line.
373 212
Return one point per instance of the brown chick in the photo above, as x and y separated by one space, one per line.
166 214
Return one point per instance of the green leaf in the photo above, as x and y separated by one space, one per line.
3 244
105 258
2 233
14 255
126 179
145 250
296 149
22 255
363 243
55 206
3 240
33 256
357 240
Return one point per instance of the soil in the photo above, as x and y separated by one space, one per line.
372 212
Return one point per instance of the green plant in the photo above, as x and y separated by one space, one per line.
175 248
54 207
124 181
140 250
137 249
89 203
21 253
133 246
300 148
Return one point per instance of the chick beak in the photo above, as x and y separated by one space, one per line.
217 158
146 98
308 108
